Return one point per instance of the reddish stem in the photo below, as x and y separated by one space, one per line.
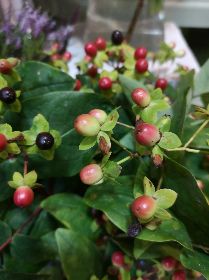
25 164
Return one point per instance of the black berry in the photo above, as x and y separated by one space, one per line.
7 95
134 229
117 37
44 141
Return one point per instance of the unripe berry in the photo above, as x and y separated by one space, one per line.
169 263
91 174
92 71
77 85
179 275
144 207
100 43
3 142
140 52
67 56
117 37
7 95
141 65
105 83
87 125
161 83
200 184
23 196
44 141
141 97
100 115
91 49
147 134
118 259
5 66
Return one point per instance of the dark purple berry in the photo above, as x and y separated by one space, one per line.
117 37
44 141
134 229
7 95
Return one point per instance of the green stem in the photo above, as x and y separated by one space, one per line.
196 133
124 160
160 183
126 125
185 150
121 146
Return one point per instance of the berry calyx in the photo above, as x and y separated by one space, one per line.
5 66
118 259
3 142
117 37
141 65
179 275
44 141
91 174
140 52
147 134
7 95
144 207
100 115
105 83
169 263
91 49
67 56
141 97
92 71
77 85
161 83
87 125
100 43
23 196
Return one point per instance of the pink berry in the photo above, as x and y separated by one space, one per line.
161 83
100 43
147 134
87 125
92 71
141 65
55 57
118 259
55 47
100 115
5 66
91 174
144 207
179 275
141 97
140 52
67 56
105 83
169 263
23 196
91 49
77 85
3 142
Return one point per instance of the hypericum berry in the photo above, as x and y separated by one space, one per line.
100 43
23 196
147 134
87 125
55 57
161 83
141 65
67 56
169 263
144 207
141 97
118 259
55 47
134 229
100 115
91 49
179 275
117 37
3 142
77 85
7 95
140 52
92 71
200 184
44 141
105 83
91 174
5 66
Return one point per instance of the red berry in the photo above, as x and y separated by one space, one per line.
87 58
100 43
55 47
87 125
169 263
179 275
118 259
140 52
3 142
100 115
141 65
147 134
141 97
105 83
92 71
23 196
144 207
67 56
161 83
5 66
77 85
91 174
91 49
55 57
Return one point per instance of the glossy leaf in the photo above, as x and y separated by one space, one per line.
165 198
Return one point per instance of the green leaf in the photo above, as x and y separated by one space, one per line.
165 198
79 255
13 148
30 178
156 94
18 179
87 143
111 170
169 140
8 275
164 123
149 188
40 124
143 169
29 138
16 106
57 137
3 82
5 232
162 214
201 84
110 121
